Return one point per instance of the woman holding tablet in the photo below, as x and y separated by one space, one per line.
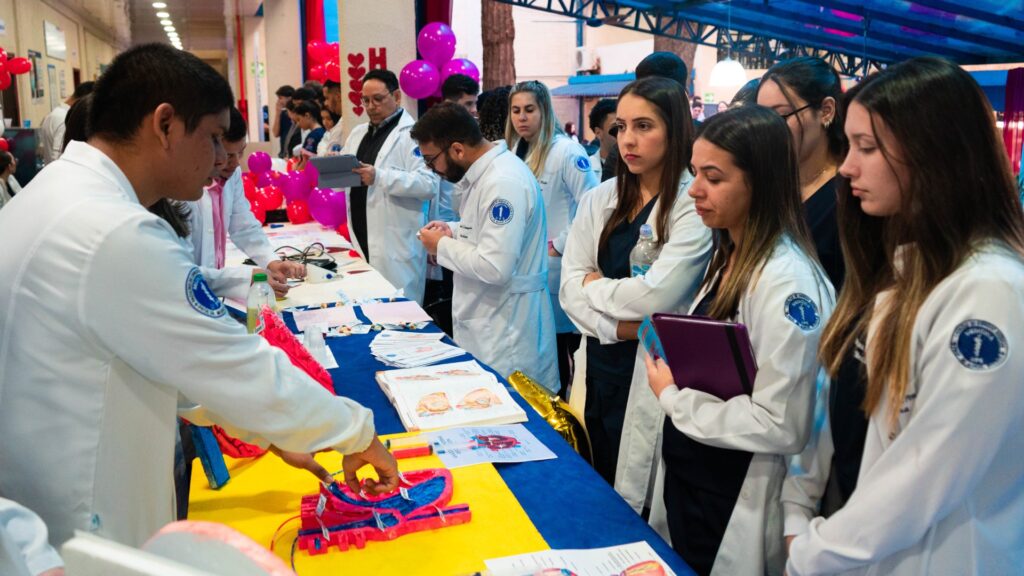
724 461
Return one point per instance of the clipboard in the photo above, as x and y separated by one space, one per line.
704 354
336 171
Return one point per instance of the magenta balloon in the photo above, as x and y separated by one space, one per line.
264 179
259 162
295 186
436 43
327 206
312 176
460 66
419 79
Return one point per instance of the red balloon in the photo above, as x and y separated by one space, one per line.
5 145
342 231
260 214
333 71
318 51
298 212
318 73
19 65
5 80
3 56
291 163
271 197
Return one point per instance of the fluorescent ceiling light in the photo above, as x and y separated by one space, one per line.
166 22
159 5
169 28
163 15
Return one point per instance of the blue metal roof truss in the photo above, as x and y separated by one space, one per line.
853 35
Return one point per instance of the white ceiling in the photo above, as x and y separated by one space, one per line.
199 23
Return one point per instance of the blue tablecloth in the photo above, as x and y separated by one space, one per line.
568 502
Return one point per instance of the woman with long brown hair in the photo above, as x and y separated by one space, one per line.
606 300
933 234
724 460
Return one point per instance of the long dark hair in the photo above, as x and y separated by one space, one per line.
960 193
670 102
812 80
760 144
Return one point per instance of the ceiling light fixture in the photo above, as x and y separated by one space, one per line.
159 5
169 28
163 15
166 22
728 72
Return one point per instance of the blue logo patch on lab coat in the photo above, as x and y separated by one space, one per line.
201 297
501 211
979 345
416 152
583 163
802 311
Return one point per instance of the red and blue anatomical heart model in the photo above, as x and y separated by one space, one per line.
338 517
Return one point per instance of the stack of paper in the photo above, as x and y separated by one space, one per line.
457 394
412 349
635 558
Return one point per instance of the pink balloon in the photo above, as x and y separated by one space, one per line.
312 176
460 66
298 212
419 79
259 162
436 43
263 180
295 186
327 206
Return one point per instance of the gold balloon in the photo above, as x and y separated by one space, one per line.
554 410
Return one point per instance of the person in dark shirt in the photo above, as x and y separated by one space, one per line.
602 118
282 122
308 115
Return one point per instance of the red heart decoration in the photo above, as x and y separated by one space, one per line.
356 73
356 85
355 98
355 59
357 110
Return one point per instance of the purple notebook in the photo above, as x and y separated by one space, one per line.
707 355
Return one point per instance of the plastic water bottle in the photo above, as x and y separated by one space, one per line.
260 295
644 253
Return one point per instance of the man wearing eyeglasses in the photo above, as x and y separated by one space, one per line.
385 213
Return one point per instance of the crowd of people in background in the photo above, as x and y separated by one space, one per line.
875 256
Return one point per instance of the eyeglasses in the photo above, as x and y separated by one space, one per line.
377 99
794 112
430 162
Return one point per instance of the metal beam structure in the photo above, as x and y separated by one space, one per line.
849 58
760 30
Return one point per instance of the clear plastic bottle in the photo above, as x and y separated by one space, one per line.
260 295
644 253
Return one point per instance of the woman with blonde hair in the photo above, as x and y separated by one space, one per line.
562 167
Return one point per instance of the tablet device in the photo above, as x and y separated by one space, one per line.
707 355
336 171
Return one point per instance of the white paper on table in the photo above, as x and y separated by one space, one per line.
395 312
330 362
594 562
333 316
495 444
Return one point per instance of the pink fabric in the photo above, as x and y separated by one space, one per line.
216 191
1013 117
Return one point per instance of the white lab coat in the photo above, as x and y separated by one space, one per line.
567 175
104 322
943 492
24 547
501 311
51 133
773 422
333 137
242 228
596 310
397 206
595 164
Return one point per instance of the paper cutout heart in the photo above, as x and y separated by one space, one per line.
356 59
356 73
355 98
356 85
357 110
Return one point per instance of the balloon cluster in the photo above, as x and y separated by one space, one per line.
267 189
324 57
9 67
436 45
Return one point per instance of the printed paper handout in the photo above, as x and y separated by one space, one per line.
412 349
395 312
636 559
330 317
496 444
447 395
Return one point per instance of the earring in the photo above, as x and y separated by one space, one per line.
828 123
